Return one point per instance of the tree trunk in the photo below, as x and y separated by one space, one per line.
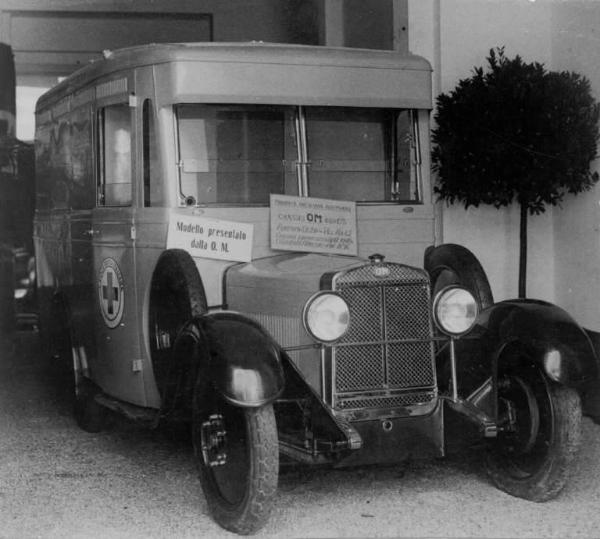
523 251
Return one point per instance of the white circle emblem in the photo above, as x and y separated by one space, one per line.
111 293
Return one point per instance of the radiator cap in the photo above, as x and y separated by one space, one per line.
376 258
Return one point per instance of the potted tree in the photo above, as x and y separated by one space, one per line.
515 132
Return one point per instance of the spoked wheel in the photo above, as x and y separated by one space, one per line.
238 459
540 434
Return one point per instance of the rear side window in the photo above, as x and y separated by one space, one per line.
114 140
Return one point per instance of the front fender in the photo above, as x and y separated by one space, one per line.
550 335
245 363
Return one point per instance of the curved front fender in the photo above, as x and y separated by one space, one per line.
552 337
245 364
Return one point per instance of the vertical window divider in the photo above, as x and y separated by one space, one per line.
416 135
302 150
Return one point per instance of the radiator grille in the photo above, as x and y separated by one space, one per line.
408 399
388 346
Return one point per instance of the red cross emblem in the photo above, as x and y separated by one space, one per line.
110 293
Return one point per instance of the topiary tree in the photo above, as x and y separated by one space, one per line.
515 132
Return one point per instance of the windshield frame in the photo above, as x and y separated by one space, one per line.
302 164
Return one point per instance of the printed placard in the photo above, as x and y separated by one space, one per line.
317 225
211 238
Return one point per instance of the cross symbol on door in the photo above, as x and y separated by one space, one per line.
110 293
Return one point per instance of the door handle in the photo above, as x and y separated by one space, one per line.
91 233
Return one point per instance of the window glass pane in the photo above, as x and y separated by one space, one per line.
236 153
116 170
82 188
153 187
360 154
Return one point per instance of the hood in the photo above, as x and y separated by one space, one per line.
279 286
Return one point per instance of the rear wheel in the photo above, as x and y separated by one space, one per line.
539 438
76 391
90 415
238 459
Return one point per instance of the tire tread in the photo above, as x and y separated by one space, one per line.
552 478
252 514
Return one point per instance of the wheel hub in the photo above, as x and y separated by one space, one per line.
522 416
214 441
163 339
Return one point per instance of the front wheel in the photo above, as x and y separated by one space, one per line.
238 459
540 435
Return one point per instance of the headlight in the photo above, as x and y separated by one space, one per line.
326 316
455 310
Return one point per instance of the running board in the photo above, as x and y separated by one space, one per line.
139 414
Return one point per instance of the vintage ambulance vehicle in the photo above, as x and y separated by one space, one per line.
232 236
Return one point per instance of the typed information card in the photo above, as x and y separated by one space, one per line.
313 224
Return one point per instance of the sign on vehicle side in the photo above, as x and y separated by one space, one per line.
211 238
313 224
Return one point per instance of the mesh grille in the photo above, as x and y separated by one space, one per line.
395 401
407 312
368 326
397 273
359 368
409 365
393 308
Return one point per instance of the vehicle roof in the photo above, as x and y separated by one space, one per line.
219 52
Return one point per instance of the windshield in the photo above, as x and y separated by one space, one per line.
239 154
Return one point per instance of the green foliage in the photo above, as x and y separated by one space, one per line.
515 132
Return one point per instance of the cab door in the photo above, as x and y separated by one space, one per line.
117 365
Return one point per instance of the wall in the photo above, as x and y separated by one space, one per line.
55 24
466 31
50 38
469 29
575 37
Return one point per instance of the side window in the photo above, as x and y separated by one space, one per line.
153 190
114 140
82 171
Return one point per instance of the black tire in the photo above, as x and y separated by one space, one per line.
176 296
535 459
240 491
55 331
450 264
590 400
76 392
55 341
89 414
7 291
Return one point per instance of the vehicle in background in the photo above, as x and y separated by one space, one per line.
232 236
17 191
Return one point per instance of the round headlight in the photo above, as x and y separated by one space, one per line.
326 316
455 310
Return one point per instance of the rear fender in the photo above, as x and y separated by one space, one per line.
245 363
549 334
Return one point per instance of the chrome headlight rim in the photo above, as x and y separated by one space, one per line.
306 312
443 294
